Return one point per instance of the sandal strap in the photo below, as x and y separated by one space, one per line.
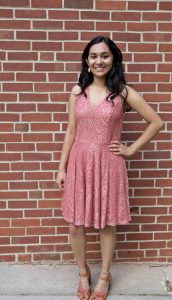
87 274
108 278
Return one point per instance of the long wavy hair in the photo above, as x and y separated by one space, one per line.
115 80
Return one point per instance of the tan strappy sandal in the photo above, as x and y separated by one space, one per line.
84 294
102 295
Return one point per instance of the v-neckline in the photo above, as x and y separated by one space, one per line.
94 106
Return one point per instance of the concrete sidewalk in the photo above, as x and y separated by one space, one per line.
53 281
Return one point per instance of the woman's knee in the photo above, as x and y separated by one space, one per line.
108 229
76 229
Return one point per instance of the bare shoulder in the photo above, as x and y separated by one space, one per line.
75 90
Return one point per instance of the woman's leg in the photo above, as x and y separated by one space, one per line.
108 243
78 244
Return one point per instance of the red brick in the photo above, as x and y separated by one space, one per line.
12 231
140 47
143 219
78 4
40 230
130 253
45 127
150 253
139 236
4 240
48 204
25 222
46 46
153 173
38 213
154 227
164 201
6 13
49 67
36 156
62 77
22 204
15 3
31 35
54 239
67 14
46 257
14 45
18 66
10 156
12 249
94 15
141 67
24 258
25 240
164 87
165 47
33 97
17 87
25 166
163 236
153 244
38 175
165 5
22 56
155 77
115 26
6 127
7 34
164 219
34 117
48 87
157 155
15 24
128 16
7 76
2 203
7 258
30 14
110 5
166 252
159 37
46 4
140 5
147 192
21 107
167 192
5 97
156 16
143 164
31 77
125 36
141 26
4 167
164 182
27 137
11 176
47 25
23 185
13 195
147 57
153 210
63 36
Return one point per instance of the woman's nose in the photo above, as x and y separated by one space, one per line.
99 59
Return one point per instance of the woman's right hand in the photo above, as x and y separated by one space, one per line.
60 180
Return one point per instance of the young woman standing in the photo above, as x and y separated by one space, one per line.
92 171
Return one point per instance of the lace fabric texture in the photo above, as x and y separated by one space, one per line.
96 186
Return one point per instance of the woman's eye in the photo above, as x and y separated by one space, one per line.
105 56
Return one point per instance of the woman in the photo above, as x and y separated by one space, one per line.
92 171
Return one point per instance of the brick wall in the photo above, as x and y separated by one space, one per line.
41 44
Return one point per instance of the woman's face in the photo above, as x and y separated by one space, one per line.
100 60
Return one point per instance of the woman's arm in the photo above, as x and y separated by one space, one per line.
149 115
71 130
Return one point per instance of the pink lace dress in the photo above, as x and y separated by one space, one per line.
96 186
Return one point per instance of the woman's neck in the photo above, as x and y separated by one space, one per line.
99 82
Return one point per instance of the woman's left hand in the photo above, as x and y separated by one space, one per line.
120 149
